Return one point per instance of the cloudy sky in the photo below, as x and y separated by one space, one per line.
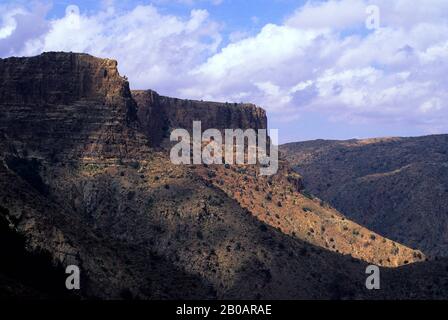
322 69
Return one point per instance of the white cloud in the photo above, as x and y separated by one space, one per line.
331 14
9 23
190 2
154 50
19 25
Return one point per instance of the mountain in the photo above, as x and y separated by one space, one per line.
397 187
86 180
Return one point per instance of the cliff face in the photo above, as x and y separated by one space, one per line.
159 114
59 78
63 107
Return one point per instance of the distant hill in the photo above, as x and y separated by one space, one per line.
397 187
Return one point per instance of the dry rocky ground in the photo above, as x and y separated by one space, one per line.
279 202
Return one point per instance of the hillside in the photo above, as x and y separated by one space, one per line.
85 179
277 202
397 187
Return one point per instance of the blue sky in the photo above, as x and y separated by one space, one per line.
318 67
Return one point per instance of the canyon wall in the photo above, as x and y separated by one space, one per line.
159 114
58 78
66 107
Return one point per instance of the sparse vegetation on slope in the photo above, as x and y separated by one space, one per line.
277 201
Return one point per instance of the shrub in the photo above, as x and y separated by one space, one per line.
131 195
134 164
307 195
211 174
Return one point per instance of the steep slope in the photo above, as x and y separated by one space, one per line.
397 187
278 201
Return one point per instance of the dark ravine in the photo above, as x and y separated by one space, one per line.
81 183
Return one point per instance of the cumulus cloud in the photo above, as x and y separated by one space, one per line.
316 62
18 25
322 58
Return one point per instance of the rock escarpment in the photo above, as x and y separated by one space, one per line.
59 78
64 107
159 114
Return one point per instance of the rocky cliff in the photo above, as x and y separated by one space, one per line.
59 78
159 114
67 107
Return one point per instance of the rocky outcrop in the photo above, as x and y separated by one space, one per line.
159 114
